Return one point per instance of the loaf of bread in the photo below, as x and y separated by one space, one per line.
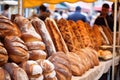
16 48
37 54
40 27
74 26
97 34
92 36
76 66
84 60
7 28
4 75
48 69
36 47
15 72
61 63
33 70
3 55
32 39
25 26
94 55
104 37
84 35
56 36
108 33
68 35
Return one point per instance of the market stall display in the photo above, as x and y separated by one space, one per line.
74 60
65 62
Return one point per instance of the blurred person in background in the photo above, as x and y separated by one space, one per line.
5 11
56 15
77 15
104 19
44 13
112 16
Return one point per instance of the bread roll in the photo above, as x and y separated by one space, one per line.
26 37
25 26
37 54
33 70
7 28
16 49
35 45
15 72
42 30
4 75
3 55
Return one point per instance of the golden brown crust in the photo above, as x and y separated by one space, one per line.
17 53
56 36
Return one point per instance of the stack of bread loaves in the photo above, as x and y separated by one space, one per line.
32 39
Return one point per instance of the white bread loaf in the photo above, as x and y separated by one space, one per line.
15 72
